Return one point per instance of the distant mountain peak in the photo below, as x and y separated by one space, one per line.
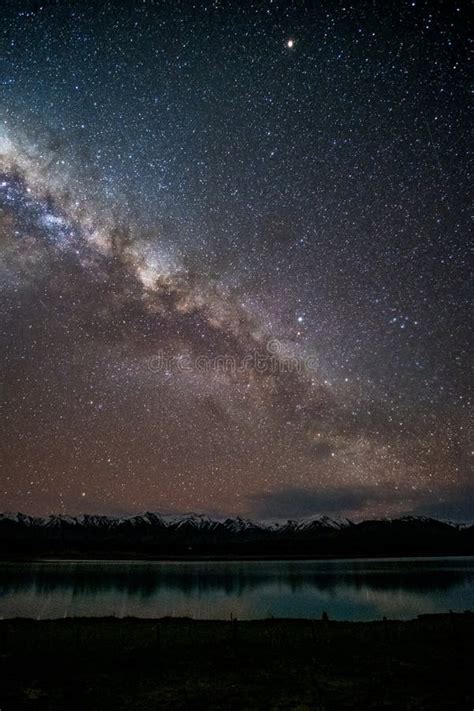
153 534
201 521
189 519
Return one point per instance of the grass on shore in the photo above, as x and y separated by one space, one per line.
96 664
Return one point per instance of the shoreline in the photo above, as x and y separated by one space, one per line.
175 664
449 616
216 558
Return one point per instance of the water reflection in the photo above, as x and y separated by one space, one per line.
348 589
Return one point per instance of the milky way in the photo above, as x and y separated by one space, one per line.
234 267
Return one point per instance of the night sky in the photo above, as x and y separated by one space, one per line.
234 258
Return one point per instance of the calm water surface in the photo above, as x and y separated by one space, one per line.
345 589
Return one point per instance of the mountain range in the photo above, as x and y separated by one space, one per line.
167 535
192 521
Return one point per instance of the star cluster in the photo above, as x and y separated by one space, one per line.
234 268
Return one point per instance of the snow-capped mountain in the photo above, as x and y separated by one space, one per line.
190 521
154 534
318 522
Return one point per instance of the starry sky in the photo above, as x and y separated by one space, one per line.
234 258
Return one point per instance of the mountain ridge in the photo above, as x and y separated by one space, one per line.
176 521
155 535
206 521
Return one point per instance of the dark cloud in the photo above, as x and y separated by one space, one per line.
294 502
360 501
456 506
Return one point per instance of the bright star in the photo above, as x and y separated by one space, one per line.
290 44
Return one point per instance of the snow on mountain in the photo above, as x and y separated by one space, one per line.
145 519
306 524
238 525
312 522
20 518
192 521
56 521
202 522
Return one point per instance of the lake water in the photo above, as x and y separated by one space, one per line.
345 589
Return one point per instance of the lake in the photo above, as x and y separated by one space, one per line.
345 589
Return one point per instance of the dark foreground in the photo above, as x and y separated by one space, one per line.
106 663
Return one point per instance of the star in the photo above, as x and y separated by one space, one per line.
211 251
